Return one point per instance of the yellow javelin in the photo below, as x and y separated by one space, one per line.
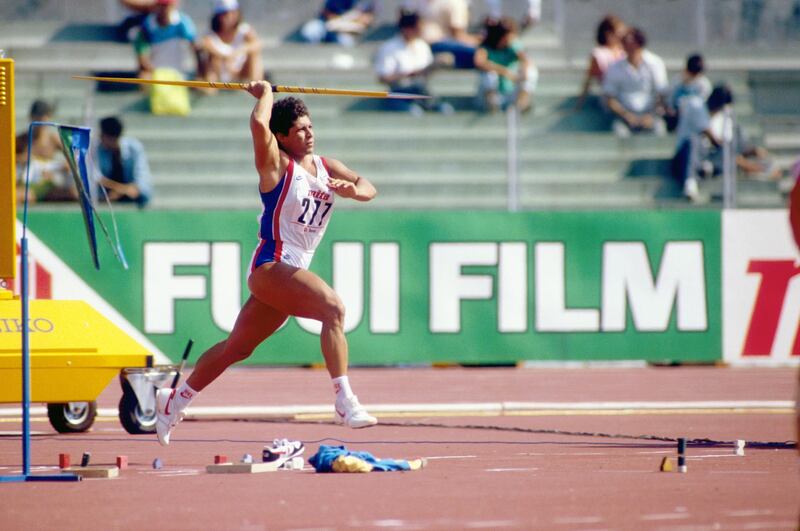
275 88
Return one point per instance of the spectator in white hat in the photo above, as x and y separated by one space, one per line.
232 48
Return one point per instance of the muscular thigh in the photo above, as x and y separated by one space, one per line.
256 322
292 290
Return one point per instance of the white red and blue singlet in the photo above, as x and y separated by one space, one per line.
295 216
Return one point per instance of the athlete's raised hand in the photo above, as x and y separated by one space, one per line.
343 188
347 183
258 88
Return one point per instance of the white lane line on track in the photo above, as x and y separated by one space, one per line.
169 473
562 453
744 513
569 520
739 472
664 516
698 457
471 408
657 452
490 524
389 523
450 457
783 524
511 469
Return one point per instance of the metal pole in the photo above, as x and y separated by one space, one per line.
728 165
512 163
26 364
26 353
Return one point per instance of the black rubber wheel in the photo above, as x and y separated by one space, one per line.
131 416
72 417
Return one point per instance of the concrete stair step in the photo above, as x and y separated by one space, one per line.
456 167
428 146
446 79
434 188
549 120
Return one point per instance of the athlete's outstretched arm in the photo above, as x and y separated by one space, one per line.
265 145
347 183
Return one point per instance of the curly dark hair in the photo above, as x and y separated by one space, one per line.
285 112
216 22
495 30
609 24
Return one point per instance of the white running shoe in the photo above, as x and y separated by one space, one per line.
281 451
349 412
167 415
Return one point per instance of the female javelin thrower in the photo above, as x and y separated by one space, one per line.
297 190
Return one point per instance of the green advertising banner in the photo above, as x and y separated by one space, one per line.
434 286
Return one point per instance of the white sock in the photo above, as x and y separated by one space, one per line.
183 396
341 386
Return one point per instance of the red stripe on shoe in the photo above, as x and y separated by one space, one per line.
169 401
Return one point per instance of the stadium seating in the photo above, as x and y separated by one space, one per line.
567 159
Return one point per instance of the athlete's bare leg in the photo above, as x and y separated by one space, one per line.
295 291
255 323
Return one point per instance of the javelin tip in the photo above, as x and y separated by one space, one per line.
404 96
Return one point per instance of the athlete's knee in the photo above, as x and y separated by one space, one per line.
333 311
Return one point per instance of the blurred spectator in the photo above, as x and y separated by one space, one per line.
507 76
532 16
50 179
695 141
793 21
444 25
46 142
340 21
404 62
634 88
233 49
163 39
137 12
702 130
21 158
691 81
752 10
122 165
47 181
608 51
752 160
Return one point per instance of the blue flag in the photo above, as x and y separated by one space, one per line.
75 143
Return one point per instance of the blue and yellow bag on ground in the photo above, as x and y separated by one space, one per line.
340 459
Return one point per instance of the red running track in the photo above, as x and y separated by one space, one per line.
476 478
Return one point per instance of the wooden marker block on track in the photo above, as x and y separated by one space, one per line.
93 471
241 468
